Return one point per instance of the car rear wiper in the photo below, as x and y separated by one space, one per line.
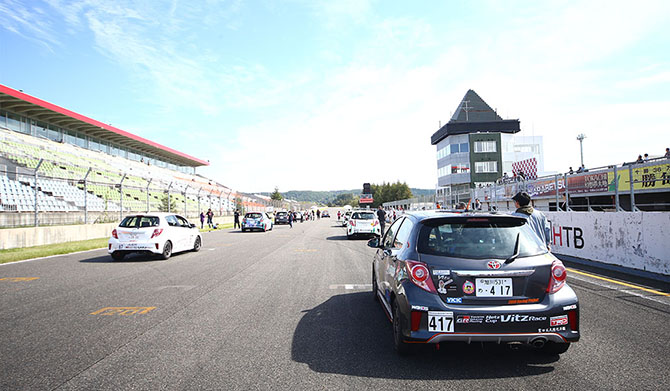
516 250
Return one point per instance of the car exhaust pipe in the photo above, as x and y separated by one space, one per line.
538 343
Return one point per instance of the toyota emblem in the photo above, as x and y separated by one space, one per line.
493 265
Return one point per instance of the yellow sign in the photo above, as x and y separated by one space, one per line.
123 310
644 178
17 279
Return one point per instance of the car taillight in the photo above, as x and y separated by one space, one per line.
416 320
352 223
157 232
558 276
114 235
573 320
420 276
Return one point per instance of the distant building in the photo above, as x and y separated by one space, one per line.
476 147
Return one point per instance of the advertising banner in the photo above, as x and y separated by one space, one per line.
644 178
589 183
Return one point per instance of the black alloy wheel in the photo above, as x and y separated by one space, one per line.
167 250
198 244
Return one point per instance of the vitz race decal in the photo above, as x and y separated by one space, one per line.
468 287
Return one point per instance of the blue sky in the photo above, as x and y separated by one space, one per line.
326 95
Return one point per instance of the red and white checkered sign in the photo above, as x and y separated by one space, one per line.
528 167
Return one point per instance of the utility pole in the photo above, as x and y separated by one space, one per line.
581 138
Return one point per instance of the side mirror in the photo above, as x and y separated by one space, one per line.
374 243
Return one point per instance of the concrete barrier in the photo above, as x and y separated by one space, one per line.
28 237
635 240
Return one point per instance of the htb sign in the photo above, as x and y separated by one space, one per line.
365 199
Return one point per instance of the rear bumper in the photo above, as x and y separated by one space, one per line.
115 245
548 320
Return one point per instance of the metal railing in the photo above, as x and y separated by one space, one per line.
29 197
631 186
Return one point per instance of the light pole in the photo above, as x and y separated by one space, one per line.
581 138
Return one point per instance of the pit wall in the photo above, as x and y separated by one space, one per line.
37 236
634 240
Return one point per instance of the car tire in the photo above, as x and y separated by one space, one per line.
118 255
167 250
244 230
553 348
197 245
374 285
400 346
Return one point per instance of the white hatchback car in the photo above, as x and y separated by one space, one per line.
154 233
363 223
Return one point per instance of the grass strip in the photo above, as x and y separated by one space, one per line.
18 254
220 226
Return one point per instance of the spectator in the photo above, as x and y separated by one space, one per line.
639 159
237 219
381 215
536 219
461 205
339 214
570 171
478 204
202 220
646 157
667 153
290 219
210 216
580 169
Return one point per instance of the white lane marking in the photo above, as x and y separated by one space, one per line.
185 287
351 286
618 289
52 256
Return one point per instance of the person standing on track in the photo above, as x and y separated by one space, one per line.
290 219
536 219
237 219
381 215
210 216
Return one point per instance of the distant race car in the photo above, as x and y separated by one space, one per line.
363 223
325 214
153 233
281 218
257 221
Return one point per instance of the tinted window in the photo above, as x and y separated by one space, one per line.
253 215
390 234
363 216
140 222
478 238
172 221
402 237
282 214
183 222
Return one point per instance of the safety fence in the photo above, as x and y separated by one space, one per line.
634 186
30 197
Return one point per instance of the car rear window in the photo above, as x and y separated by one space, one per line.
363 216
253 215
140 222
478 238
282 214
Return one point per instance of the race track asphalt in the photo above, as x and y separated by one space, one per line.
286 309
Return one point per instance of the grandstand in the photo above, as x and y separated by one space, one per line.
73 169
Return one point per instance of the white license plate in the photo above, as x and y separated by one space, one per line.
134 246
493 287
441 321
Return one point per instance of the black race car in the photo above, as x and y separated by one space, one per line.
444 277
281 218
